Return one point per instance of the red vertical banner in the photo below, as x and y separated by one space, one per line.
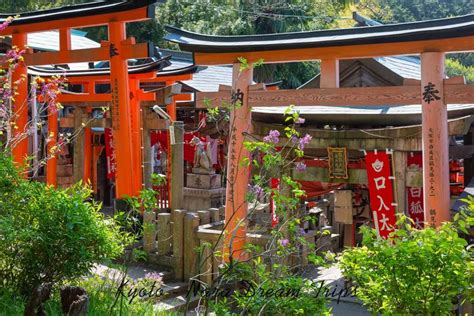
274 183
381 192
109 152
415 195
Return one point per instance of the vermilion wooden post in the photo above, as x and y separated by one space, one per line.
87 151
136 135
329 73
237 175
435 139
124 175
64 41
52 162
20 120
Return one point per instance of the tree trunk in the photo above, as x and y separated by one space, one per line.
74 301
35 304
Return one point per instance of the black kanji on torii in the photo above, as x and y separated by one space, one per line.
113 51
237 96
430 93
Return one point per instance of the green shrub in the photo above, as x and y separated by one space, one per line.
262 289
48 234
417 272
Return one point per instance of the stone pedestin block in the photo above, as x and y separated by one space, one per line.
203 171
203 181
203 199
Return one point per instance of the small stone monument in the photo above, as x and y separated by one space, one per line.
203 186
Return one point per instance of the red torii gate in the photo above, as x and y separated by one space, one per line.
114 14
431 39
145 73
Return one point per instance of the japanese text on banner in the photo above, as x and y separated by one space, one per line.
381 192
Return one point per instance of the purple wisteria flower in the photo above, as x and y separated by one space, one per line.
300 166
294 139
155 276
273 137
256 190
301 231
304 141
300 120
284 242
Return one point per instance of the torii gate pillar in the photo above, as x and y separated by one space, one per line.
19 130
435 139
136 134
121 113
237 174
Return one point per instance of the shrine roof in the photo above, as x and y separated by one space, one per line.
206 78
49 40
78 10
156 65
377 34
404 66
357 115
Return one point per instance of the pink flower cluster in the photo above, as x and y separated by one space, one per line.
5 23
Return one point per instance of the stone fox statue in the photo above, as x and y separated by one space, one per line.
202 156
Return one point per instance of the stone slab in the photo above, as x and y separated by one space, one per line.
203 181
203 199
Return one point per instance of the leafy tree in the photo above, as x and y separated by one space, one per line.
17 6
456 68
418 10
398 11
255 17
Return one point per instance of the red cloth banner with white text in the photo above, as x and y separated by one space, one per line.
274 183
109 153
415 195
381 192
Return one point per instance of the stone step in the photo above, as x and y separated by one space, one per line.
167 276
175 288
161 260
176 304
134 272
137 272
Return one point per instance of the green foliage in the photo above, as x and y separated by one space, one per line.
267 291
48 234
398 11
103 300
139 255
416 272
255 17
16 6
418 10
455 68
147 200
